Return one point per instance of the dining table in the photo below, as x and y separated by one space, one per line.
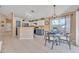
56 37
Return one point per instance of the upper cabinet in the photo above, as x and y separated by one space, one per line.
37 23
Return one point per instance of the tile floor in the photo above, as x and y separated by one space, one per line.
14 45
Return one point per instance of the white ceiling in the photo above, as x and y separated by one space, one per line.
39 10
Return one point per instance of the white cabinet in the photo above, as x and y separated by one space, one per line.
26 32
38 23
41 23
8 27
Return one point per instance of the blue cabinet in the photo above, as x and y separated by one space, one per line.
39 31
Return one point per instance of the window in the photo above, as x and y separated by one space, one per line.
55 22
58 25
62 21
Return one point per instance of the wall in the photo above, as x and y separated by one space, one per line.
7 29
8 25
47 25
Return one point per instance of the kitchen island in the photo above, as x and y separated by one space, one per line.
25 32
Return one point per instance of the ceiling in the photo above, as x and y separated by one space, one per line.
35 11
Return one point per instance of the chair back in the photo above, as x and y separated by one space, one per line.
68 36
46 35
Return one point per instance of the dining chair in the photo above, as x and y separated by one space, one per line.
66 38
50 38
46 37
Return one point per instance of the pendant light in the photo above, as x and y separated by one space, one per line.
54 16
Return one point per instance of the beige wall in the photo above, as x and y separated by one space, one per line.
47 27
3 21
8 20
9 26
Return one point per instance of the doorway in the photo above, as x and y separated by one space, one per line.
17 25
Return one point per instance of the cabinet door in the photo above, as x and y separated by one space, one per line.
41 23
